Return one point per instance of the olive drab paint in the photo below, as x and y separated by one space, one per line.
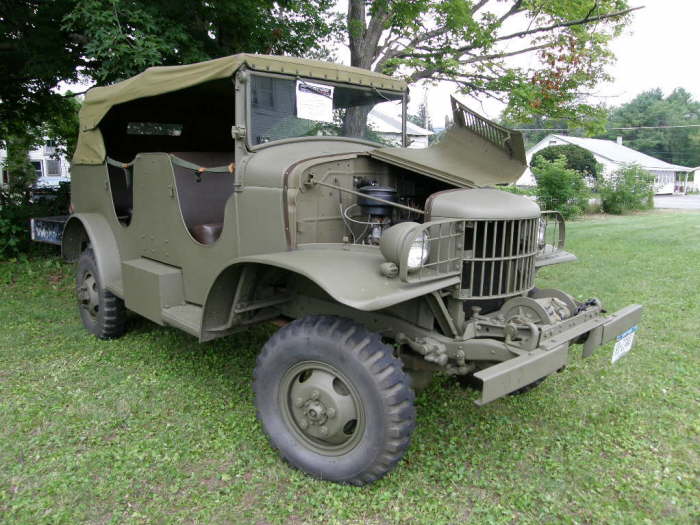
212 241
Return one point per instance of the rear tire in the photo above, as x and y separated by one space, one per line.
103 313
333 400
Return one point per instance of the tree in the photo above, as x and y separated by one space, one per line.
120 38
577 158
46 42
421 118
35 56
470 41
650 109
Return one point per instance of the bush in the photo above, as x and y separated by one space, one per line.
577 158
560 188
629 188
15 212
530 192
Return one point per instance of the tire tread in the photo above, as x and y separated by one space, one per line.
379 361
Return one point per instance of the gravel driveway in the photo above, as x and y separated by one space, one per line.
679 202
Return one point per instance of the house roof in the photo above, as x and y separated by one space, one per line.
382 122
618 153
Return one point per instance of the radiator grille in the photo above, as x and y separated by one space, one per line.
499 257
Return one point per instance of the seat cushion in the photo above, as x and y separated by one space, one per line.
207 233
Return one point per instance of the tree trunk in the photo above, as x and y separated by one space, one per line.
364 44
355 121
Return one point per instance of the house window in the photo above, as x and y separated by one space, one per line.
53 168
37 169
5 176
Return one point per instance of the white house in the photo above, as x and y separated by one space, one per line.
50 170
389 128
693 185
612 156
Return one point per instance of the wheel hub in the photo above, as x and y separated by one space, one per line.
88 295
315 412
322 408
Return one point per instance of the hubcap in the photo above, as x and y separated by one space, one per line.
88 295
322 407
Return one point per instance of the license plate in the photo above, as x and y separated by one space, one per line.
624 343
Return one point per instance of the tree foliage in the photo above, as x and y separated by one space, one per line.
560 188
46 42
651 109
471 43
577 158
120 38
35 56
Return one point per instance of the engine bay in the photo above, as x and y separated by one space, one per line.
355 201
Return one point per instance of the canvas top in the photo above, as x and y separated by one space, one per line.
165 79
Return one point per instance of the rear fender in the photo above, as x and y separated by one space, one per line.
91 229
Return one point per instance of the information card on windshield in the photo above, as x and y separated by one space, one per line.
314 101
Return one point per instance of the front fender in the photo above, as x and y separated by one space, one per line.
93 228
350 274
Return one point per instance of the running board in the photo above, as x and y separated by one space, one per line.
186 317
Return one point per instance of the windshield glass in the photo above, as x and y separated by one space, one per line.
284 108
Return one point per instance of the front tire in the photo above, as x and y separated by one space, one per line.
334 400
103 313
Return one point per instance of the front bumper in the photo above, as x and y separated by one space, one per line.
552 352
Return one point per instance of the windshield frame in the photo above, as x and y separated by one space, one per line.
248 113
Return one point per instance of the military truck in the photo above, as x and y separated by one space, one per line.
214 196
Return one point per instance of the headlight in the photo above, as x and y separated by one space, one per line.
418 252
394 241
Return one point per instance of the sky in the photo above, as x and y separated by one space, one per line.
658 49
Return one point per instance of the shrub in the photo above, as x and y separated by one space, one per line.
518 190
629 188
560 188
577 158
15 213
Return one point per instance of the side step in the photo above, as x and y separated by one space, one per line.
186 317
155 291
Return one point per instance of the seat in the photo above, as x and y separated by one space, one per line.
203 202
122 193
207 233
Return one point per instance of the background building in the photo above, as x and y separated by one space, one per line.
388 128
50 169
612 156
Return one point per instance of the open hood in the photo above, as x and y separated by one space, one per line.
473 152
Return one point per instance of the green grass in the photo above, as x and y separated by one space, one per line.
157 428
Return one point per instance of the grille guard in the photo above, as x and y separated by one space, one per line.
495 266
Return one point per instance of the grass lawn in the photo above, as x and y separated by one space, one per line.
157 428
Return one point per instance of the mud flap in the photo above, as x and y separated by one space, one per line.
508 376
